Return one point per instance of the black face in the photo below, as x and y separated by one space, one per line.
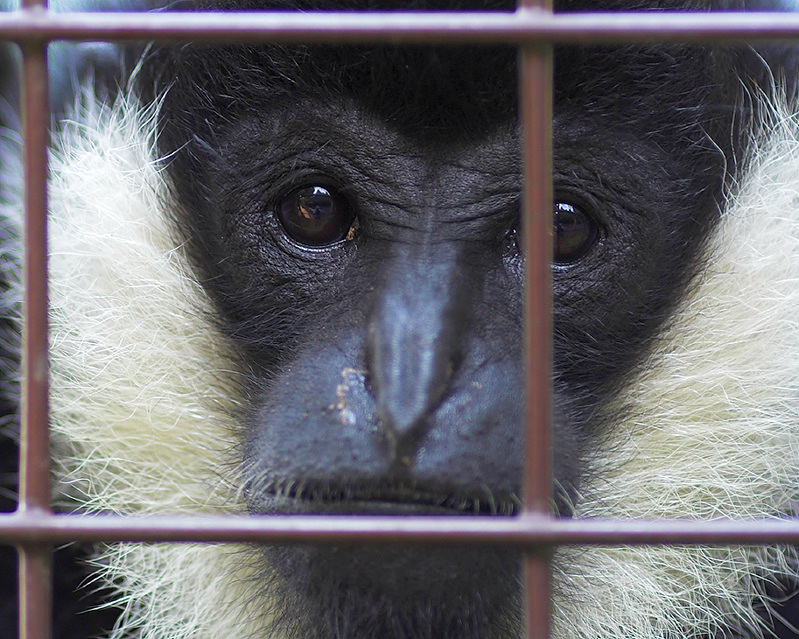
353 213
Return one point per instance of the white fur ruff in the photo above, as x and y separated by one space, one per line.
144 387
145 394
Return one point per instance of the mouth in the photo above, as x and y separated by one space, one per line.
286 496
466 582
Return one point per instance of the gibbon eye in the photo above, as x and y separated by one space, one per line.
574 233
315 216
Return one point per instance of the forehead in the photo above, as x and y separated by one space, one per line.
421 90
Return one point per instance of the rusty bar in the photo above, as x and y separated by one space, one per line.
527 530
35 560
519 29
35 591
536 116
535 108
35 446
538 587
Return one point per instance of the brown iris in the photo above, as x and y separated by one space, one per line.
574 233
315 216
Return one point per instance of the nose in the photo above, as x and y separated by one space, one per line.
414 339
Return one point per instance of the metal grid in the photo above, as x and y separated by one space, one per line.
534 29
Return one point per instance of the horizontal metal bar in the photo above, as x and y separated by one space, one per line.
524 27
528 530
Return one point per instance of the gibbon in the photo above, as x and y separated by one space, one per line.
288 279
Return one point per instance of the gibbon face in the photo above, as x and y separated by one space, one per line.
288 280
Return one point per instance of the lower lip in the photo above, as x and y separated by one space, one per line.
285 506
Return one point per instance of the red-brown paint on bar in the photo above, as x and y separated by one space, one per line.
525 531
35 599
514 29
535 108
35 560
35 448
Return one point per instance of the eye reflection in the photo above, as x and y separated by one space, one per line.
315 216
574 233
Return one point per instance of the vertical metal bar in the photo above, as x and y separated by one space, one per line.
35 568
536 117
35 591
35 467
536 114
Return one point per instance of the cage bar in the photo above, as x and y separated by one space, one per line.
534 29
35 560
524 531
532 26
535 109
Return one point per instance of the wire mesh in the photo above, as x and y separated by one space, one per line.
532 28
